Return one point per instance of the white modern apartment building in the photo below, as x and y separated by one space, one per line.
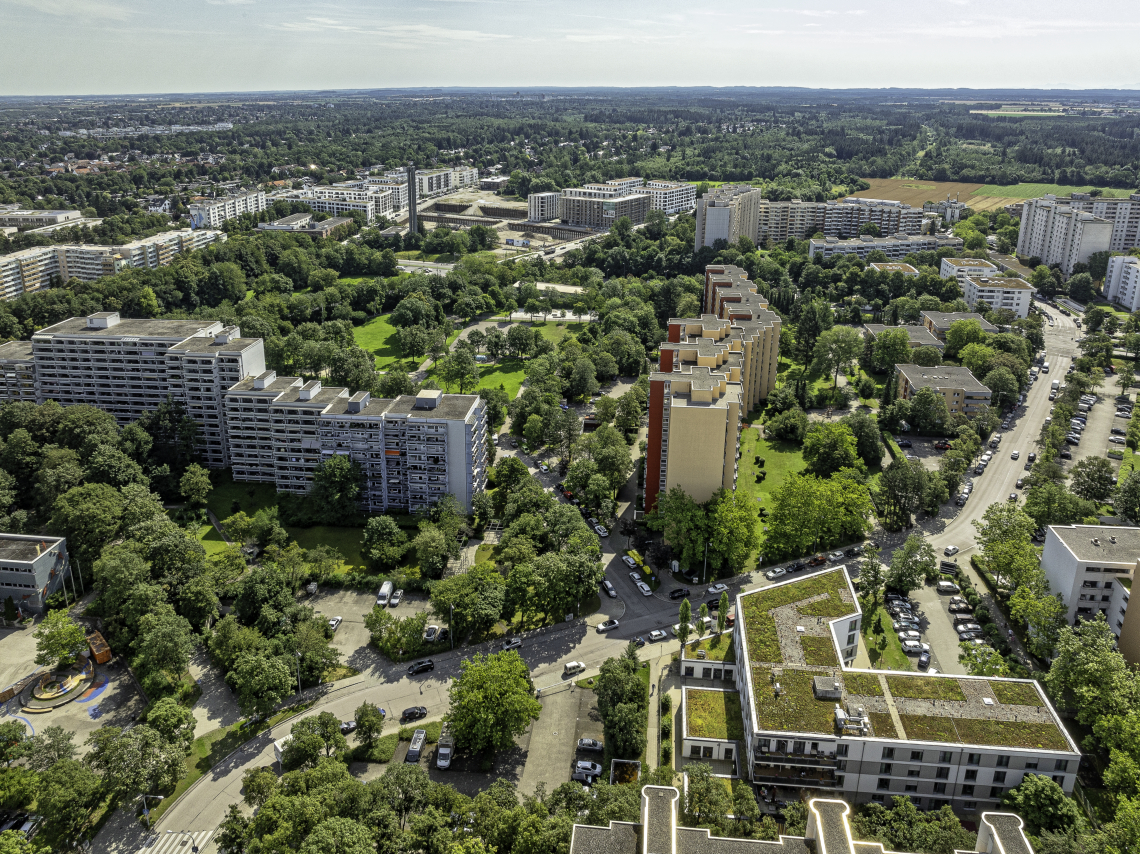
800 220
1013 294
963 268
810 720
32 269
1122 281
37 219
671 196
372 201
1060 234
897 246
542 207
1124 214
211 213
727 213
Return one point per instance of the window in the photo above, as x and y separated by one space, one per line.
940 788
877 798
1003 762
999 776
888 753
853 626
850 640
884 767
996 791
1108 585
971 776
1061 765
839 779
841 765
916 756
967 791
911 787
840 750
970 805
974 759
1031 765
884 784
944 756
1059 779
942 774
912 772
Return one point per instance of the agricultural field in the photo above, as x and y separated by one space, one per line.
1032 191
980 197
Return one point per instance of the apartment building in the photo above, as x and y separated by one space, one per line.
249 424
671 196
1090 567
868 735
1123 214
302 223
1013 294
897 246
712 370
17 372
939 322
800 220
828 831
919 336
961 268
1061 234
894 267
795 219
33 269
951 211
211 213
31 569
1122 281
37 219
372 200
727 213
542 207
597 206
961 390
494 182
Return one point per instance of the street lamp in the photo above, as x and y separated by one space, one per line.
146 812
705 572
193 847
298 673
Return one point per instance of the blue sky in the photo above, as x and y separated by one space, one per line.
127 46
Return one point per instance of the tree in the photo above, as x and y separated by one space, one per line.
605 410
195 485
369 724
789 426
163 642
1003 535
708 800
302 750
962 333
628 415
261 683
336 489
58 640
871 576
325 727
1043 805
1045 615
69 790
134 761
982 660
1092 479
892 347
1087 674
337 835
684 622
89 517
829 448
173 720
622 703
1002 384
911 564
733 526
835 349
491 702
1126 499
722 612
901 488
928 412
384 542
13 738
868 437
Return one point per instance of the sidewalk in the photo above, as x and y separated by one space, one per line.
217 707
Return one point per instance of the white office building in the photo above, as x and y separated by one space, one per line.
897 246
963 268
671 196
37 219
211 213
1059 234
1013 294
1122 281
542 207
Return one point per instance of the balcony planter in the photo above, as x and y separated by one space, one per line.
624 771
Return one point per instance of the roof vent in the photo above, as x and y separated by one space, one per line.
103 320
310 390
1112 539
428 398
358 401
1095 541
265 380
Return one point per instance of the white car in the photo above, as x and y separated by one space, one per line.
912 647
607 626
635 577
909 635
628 561
644 588
543 467
835 556
1015 455
773 574
396 597
335 622
600 531
1116 440
431 634
657 635
950 550
588 767
717 589
963 628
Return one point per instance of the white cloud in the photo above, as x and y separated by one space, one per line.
402 35
74 8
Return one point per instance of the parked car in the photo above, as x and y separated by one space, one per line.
960 628
600 531
905 626
1032 456
657 635
1020 483
588 767
679 593
950 551
1117 440
645 589
591 744
903 443
421 667
511 643
796 566
431 634
335 622
543 467
835 556
1066 454
413 713
572 667
347 727
583 778
607 626
717 589
1015 455
948 587
1119 431
773 574
913 647
609 588
924 661
854 551
628 561
635 577
396 598
818 560
909 634
1013 496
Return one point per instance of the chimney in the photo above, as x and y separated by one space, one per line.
265 380
310 390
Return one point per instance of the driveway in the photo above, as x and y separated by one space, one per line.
556 731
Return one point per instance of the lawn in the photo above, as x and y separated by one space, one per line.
556 331
716 648
1015 694
892 656
713 714
781 461
379 337
211 540
1033 191
796 709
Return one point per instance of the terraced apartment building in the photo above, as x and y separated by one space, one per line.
712 370
809 719
1122 214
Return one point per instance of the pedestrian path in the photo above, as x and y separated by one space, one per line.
176 842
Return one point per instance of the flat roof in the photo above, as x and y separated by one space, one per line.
128 327
919 335
452 407
943 376
1003 284
16 350
1106 543
968 262
893 266
25 549
943 319
208 344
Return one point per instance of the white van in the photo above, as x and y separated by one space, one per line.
948 587
572 668
385 594
1045 368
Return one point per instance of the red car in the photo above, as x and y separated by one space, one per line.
942 446
818 560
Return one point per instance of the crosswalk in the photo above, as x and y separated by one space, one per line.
176 843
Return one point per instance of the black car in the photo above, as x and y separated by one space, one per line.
413 714
560 486
1119 431
639 641
679 593
796 567
421 667
924 661
904 443
347 727
854 551
1066 454
713 603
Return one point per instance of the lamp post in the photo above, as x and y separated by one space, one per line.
146 812
705 572
193 847
298 673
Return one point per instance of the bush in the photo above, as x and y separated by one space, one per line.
666 729
666 752
382 751
666 704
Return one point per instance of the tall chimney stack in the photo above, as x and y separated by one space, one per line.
413 223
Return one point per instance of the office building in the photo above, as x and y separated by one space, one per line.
33 269
1061 234
1122 281
894 267
371 201
939 322
950 210
1123 214
1013 294
829 831
713 369
211 213
31 569
919 336
542 207
671 196
960 268
812 722
727 213
962 391
1091 567
896 246
37 219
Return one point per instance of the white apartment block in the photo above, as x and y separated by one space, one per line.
1060 234
671 196
1122 281
727 213
542 207
37 219
963 268
341 200
17 374
1124 214
950 211
864 735
32 269
1013 294
211 213
895 247
32 567
779 221
795 219
398 189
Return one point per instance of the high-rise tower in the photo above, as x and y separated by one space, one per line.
413 224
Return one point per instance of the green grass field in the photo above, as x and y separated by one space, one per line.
211 540
893 656
1032 191
378 337
781 461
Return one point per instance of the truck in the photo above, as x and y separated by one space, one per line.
1055 385
279 746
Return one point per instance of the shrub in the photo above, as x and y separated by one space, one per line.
666 704
666 752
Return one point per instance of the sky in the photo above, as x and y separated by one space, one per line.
79 47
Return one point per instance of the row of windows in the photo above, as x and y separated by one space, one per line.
945 756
